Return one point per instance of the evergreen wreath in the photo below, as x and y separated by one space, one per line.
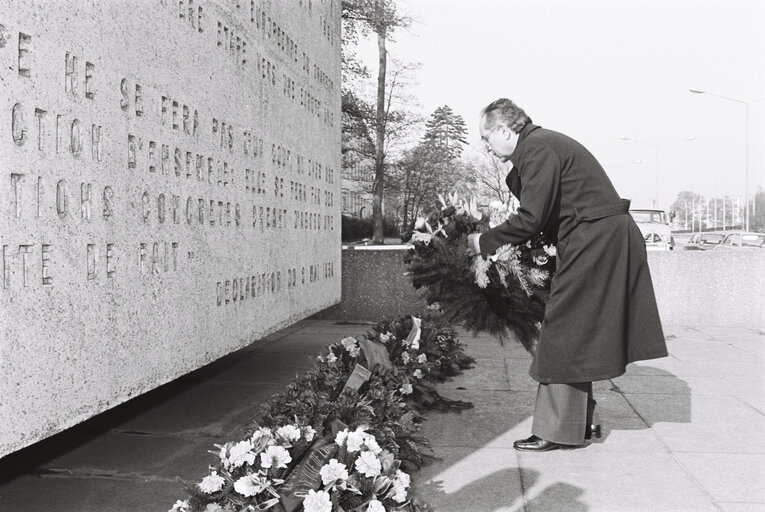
504 295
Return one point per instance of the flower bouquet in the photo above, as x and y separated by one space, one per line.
362 478
503 295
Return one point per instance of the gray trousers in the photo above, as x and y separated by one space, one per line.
563 411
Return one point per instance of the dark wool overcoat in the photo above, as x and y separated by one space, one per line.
601 313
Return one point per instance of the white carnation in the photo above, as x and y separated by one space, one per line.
275 457
241 453
211 483
405 357
332 472
309 433
317 502
368 464
289 432
351 345
180 506
375 506
422 359
417 373
250 485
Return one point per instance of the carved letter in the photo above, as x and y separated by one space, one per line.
161 208
108 196
69 66
110 265
89 67
125 101
25 250
95 141
92 263
138 101
62 200
46 277
76 138
132 150
86 201
18 125
23 50
15 180
146 208
40 115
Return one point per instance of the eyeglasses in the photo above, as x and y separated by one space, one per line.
485 139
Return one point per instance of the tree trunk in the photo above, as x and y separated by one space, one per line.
377 189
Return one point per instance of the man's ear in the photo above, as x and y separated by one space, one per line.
504 130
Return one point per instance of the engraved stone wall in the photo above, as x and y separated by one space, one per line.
169 189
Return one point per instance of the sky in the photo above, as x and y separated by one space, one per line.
598 70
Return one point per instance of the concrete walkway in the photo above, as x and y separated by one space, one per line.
684 433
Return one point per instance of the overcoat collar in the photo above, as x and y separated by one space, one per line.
512 179
530 127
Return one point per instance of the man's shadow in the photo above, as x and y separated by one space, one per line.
642 397
504 491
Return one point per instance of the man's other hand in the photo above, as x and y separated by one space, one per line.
474 247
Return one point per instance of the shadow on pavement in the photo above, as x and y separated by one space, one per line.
502 491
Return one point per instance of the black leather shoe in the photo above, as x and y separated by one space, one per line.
535 444
592 432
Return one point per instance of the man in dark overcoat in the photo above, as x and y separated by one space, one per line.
601 313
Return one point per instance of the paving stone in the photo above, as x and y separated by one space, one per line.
705 423
495 413
33 493
722 476
742 507
609 482
471 480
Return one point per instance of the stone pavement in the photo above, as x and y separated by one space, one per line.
683 433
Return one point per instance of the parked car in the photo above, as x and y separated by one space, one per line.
655 228
742 240
703 241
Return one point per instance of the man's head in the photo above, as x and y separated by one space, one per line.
501 122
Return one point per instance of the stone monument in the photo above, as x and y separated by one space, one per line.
169 175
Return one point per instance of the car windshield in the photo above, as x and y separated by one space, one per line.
648 216
711 239
752 240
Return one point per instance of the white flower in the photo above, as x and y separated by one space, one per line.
371 443
250 485
289 432
422 359
405 357
400 485
406 389
368 464
385 337
351 345
551 250
180 506
331 357
417 373
332 472
419 223
317 502
275 456
211 483
375 506
240 453
341 437
262 433
309 433
355 440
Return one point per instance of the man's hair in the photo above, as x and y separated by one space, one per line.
505 111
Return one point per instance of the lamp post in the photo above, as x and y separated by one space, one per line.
656 149
746 158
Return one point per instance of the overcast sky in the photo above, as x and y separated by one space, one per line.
600 69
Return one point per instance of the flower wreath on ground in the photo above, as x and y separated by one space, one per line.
363 398
501 295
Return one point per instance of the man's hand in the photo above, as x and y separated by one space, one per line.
474 247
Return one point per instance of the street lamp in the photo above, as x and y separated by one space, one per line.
746 158
656 149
